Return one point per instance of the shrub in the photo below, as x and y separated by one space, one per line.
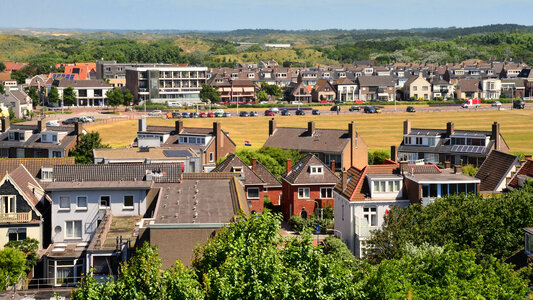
297 223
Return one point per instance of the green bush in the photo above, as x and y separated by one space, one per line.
470 170
297 223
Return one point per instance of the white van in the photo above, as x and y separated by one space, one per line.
173 104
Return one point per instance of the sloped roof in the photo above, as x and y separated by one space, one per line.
331 140
300 173
33 165
116 172
469 85
343 80
267 176
357 188
375 81
34 141
250 177
495 169
525 170
24 181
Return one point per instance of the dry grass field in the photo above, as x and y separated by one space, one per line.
379 131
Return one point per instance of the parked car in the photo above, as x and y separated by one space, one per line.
519 104
378 109
285 112
244 114
296 103
87 119
203 115
335 108
410 109
354 108
53 123
253 113
226 115
279 102
176 115
218 111
185 115
496 103
211 115
370 110
173 104
71 120
300 112
155 113
263 102
218 114
268 112
193 115
315 112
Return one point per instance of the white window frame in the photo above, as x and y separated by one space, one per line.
9 204
316 169
47 174
60 201
248 193
368 213
72 235
329 195
132 202
304 193
100 201
78 207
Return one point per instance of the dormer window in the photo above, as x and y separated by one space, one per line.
46 174
316 169
16 136
236 169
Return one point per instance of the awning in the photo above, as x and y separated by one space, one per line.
249 89
237 90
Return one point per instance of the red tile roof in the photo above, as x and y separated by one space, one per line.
525 170
13 66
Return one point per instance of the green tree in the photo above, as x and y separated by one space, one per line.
272 89
53 95
378 157
2 67
29 248
428 272
115 97
2 89
83 152
470 170
262 96
209 93
128 97
34 95
69 96
12 267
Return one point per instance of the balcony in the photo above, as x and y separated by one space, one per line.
15 217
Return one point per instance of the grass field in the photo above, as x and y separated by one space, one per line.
379 131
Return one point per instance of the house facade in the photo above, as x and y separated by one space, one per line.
88 92
346 89
376 88
417 88
323 91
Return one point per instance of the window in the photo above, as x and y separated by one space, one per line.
211 157
46 174
326 193
303 193
43 137
64 202
425 88
54 138
414 88
56 154
371 216
316 170
105 201
73 229
419 141
81 202
253 193
128 201
17 234
8 204
389 186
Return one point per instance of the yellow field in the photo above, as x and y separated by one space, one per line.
379 131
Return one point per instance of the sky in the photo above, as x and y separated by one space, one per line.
220 15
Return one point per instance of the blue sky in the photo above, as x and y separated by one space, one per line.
272 14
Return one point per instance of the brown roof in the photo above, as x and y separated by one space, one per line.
300 173
321 84
375 81
330 140
469 85
357 188
495 169
62 82
134 152
117 172
420 169
26 182
525 170
343 80
33 165
267 176
247 176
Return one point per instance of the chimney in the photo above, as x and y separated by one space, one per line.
457 169
5 124
403 166
178 126
333 165
353 142
271 126
78 128
288 165
41 126
406 127
449 129
254 164
344 179
219 140
393 153
310 128
447 164
496 135
527 157
142 124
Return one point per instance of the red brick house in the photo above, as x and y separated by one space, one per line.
306 187
258 182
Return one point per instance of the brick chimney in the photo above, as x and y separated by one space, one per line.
527 157
5 124
496 135
333 165
393 153
254 164
406 127
458 169
344 178
310 128
288 165
142 124
41 126
271 126
447 164
78 129
449 129
178 126
403 166
219 140
353 142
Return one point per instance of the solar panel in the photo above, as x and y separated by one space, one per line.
176 153
468 149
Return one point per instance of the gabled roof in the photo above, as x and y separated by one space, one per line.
375 81
325 140
267 176
117 172
26 182
526 170
250 177
343 80
34 141
321 84
469 85
357 189
301 174
33 165
413 78
495 169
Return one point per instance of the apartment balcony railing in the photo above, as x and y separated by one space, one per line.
15 217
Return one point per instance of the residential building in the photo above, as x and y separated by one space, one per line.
188 159
442 89
209 144
496 171
468 88
338 147
346 89
162 83
38 141
18 100
524 173
259 184
491 88
233 90
88 92
513 88
298 91
417 88
307 187
441 146
376 88
323 91
83 71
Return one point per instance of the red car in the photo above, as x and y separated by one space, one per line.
211 115
203 115
269 113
